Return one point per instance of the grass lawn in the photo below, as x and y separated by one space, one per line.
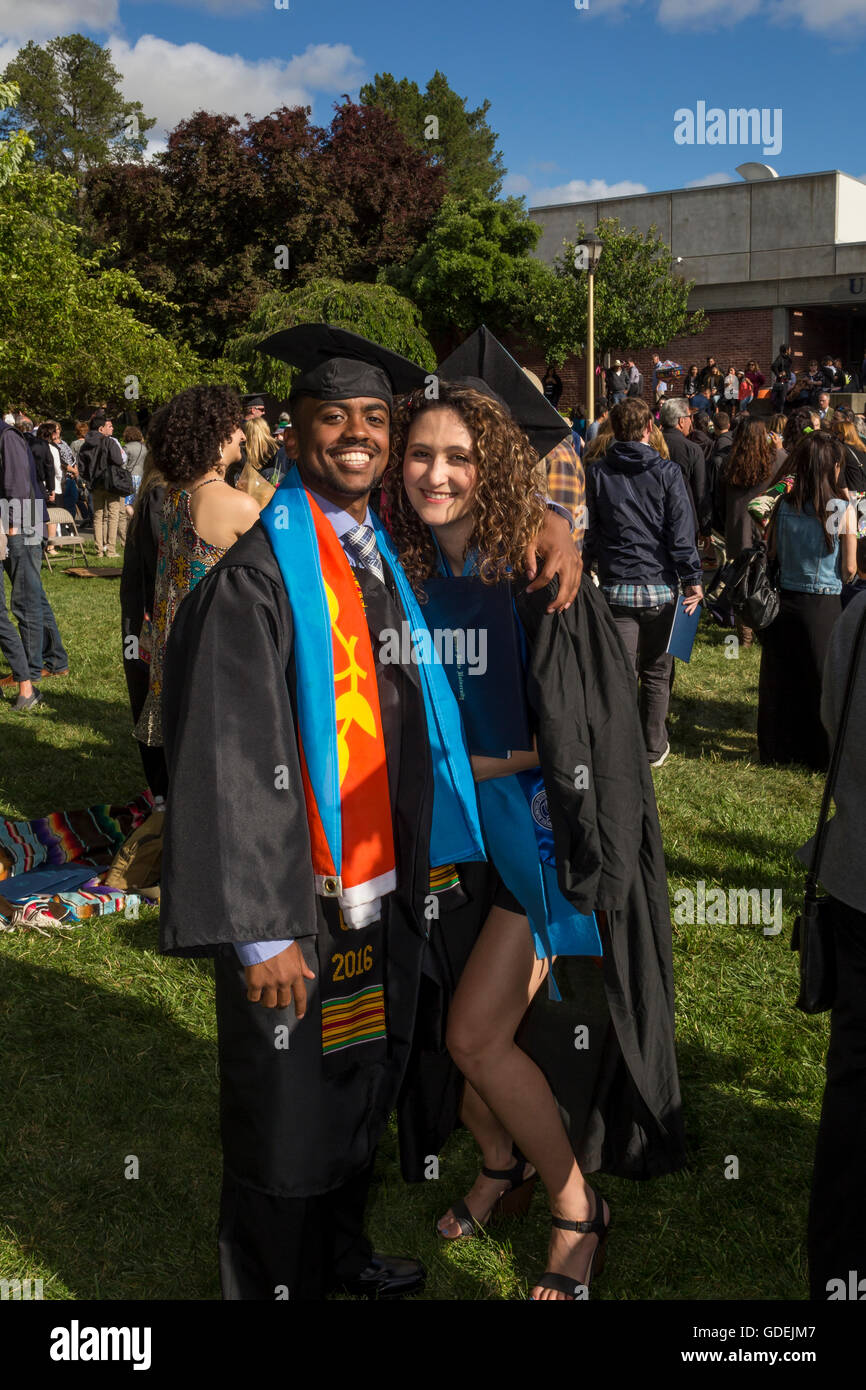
109 1052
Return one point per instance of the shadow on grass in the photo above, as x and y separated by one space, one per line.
52 772
91 1080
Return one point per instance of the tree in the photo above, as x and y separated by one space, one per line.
377 312
276 203
639 303
460 140
71 105
390 191
475 267
13 151
68 331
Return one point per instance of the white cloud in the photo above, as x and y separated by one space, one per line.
223 6
707 180
580 191
515 184
43 21
696 12
829 12
173 80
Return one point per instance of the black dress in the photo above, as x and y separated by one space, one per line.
793 652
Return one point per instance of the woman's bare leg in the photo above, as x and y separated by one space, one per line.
500 980
496 1147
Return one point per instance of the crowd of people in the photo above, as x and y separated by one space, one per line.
388 859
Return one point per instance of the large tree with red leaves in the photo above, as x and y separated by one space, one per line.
230 211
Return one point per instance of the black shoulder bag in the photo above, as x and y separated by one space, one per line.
813 929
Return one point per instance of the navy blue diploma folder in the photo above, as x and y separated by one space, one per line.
683 631
473 627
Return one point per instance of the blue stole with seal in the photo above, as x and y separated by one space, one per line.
518 833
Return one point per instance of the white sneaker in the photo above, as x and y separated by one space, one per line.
661 758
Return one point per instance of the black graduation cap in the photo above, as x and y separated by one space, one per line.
338 365
481 361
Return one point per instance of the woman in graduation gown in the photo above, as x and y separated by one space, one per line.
297 757
460 495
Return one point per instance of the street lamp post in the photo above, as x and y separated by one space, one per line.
590 254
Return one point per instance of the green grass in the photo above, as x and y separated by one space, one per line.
108 1048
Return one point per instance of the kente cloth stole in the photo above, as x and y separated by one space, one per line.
351 980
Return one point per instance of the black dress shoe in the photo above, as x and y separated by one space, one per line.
386 1276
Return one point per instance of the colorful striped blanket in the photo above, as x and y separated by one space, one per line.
41 859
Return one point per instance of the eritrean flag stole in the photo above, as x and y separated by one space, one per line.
343 758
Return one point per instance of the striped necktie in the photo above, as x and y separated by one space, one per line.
361 545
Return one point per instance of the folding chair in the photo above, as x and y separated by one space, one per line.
60 516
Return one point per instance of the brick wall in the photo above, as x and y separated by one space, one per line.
735 335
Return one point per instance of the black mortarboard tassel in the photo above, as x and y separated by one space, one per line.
483 357
338 365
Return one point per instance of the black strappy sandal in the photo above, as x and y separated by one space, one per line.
514 1202
561 1283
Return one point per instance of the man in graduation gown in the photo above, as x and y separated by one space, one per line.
318 963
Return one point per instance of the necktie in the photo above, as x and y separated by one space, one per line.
360 542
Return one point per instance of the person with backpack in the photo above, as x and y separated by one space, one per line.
101 463
751 465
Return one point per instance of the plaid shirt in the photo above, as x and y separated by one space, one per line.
639 595
566 485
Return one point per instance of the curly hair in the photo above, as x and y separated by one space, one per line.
507 512
185 435
752 457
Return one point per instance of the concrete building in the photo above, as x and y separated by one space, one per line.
777 260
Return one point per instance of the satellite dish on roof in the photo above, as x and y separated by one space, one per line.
753 172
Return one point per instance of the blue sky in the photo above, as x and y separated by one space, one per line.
583 100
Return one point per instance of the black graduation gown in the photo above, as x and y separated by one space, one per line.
609 859
237 867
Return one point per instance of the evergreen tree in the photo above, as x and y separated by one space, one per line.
437 120
69 102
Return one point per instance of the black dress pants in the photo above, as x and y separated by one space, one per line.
837 1212
295 1247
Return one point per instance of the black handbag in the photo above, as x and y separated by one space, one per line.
813 930
746 588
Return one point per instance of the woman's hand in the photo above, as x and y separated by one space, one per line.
561 557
